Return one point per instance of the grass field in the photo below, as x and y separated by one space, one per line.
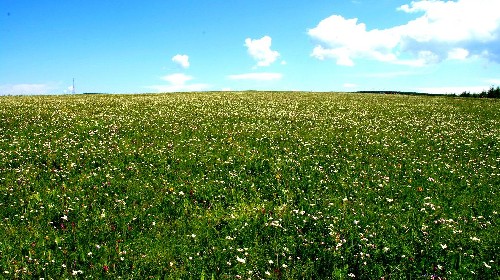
251 185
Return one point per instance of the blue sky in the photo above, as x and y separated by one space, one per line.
186 45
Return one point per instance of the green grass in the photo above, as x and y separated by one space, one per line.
259 185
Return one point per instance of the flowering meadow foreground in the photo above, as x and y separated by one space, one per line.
250 185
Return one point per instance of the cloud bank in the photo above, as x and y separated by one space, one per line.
178 82
27 89
454 30
257 76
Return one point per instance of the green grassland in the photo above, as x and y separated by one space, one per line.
251 185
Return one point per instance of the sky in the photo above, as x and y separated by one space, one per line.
132 46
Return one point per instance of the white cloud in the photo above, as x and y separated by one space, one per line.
350 85
458 54
493 81
26 89
445 30
182 60
453 21
345 39
257 76
178 82
260 50
177 79
179 88
389 75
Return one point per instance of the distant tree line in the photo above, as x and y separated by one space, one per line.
491 93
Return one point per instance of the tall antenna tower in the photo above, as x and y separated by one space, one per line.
73 88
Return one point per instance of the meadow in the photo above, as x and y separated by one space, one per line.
249 185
